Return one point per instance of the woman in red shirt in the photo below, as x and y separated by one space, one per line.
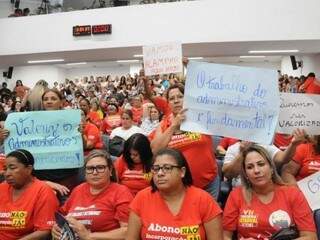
172 208
112 119
20 90
196 147
27 205
306 161
133 167
263 204
98 208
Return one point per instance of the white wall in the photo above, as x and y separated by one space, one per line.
188 22
310 64
31 74
99 71
268 65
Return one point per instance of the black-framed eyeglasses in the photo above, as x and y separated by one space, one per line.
166 168
98 168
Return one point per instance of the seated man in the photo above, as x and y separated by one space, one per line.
232 161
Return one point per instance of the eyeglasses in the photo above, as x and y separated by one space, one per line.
98 168
166 168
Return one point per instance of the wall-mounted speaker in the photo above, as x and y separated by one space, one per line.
10 71
4 74
293 62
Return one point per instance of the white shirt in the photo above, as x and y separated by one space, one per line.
125 133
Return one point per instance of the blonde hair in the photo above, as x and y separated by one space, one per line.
247 186
34 100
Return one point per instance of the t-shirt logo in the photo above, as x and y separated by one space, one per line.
184 139
147 176
279 219
157 231
13 219
18 219
248 218
313 166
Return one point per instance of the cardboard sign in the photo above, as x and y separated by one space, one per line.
310 186
51 136
162 58
299 110
231 101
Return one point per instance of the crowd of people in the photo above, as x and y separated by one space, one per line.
145 178
300 84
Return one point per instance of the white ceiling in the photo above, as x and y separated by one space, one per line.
228 50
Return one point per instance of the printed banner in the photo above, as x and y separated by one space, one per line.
162 58
238 102
298 110
51 136
310 186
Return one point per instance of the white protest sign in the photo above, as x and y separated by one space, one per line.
310 186
299 110
239 102
162 58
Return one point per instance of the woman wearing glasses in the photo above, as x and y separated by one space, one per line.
196 147
98 208
171 208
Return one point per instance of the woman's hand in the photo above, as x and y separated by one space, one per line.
299 136
63 190
178 119
4 133
56 232
79 228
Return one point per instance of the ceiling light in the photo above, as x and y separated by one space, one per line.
252 56
138 55
46 61
195 58
274 51
127 61
78 63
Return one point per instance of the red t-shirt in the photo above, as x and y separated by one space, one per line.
110 122
101 212
259 220
282 141
312 86
198 151
227 142
93 134
162 105
137 114
94 118
158 222
135 179
32 211
309 161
